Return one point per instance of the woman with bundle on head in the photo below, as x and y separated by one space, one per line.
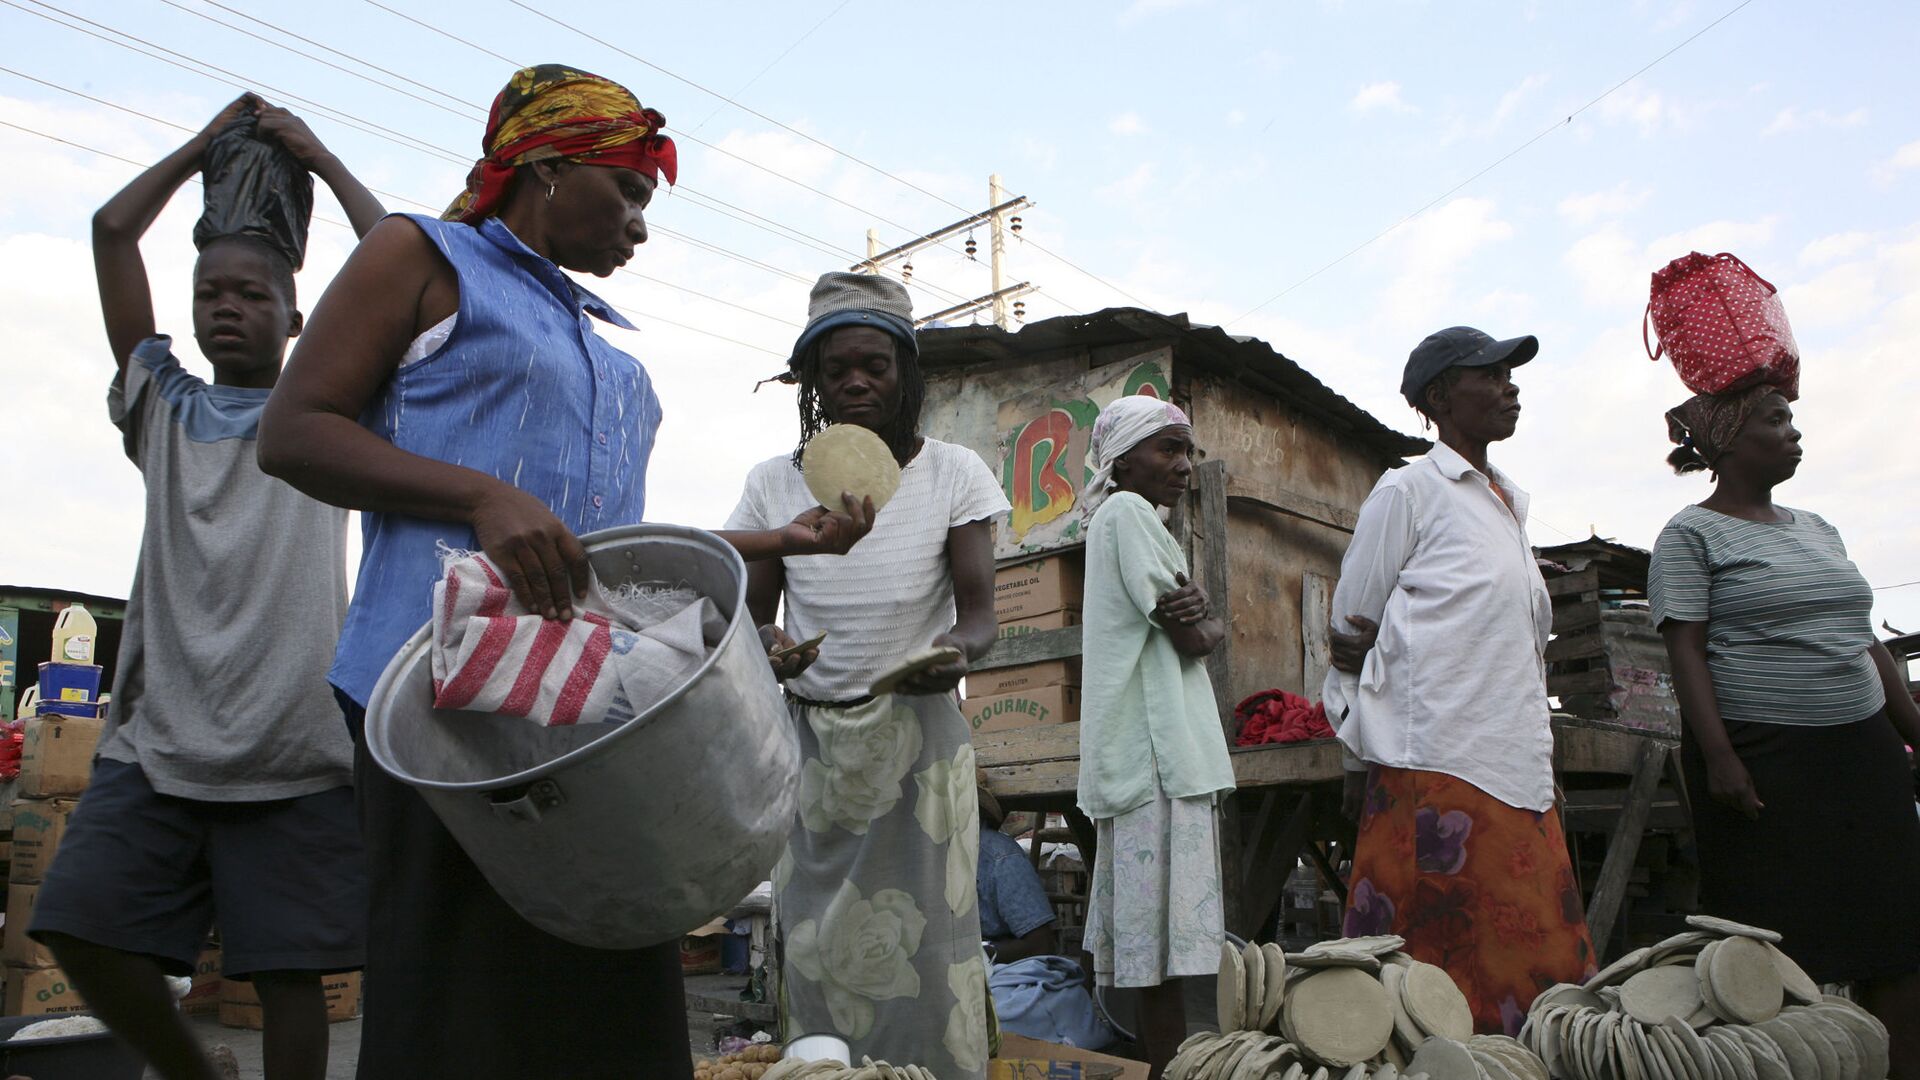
1795 715
451 387
1153 760
876 901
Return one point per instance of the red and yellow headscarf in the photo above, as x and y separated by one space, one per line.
553 111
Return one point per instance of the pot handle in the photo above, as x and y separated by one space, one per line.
539 796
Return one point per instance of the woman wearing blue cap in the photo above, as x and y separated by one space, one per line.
1445 722
878 915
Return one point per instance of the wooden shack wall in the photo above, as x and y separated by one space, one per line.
1268 447
962 404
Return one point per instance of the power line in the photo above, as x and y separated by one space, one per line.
1544 132
771 64
619 307
230 78
346 56
743 108
469 109
176 126
128 160
856 159
477 47
1902 585
464 113
449 35
338 116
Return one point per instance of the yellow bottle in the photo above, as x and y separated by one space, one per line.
73 635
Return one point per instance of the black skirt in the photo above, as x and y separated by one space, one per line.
459 986
1833 863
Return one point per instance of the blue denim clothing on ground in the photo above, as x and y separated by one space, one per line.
523 390
1045 997
1012 901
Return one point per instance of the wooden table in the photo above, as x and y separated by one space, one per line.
1288 796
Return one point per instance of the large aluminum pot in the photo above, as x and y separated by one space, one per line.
613 836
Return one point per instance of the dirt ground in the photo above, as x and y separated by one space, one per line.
345 1051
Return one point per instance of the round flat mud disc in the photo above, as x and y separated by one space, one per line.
849 458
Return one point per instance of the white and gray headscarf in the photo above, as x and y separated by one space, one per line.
1123 425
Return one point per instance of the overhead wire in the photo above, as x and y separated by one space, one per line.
193 65
1501 160
349 120
624 309
464 112
855 158
771 64
453 155
391 196
477 47
233 79
455 98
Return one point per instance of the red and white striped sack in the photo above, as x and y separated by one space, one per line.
1722 326
490 654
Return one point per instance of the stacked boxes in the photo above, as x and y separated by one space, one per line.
56 757
1031 597
240 1005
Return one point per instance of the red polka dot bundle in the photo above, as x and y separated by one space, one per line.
1722 326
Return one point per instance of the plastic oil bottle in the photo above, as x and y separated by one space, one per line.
73 635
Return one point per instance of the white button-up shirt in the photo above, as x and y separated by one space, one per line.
1456 682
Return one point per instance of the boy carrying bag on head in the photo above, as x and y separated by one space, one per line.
222 784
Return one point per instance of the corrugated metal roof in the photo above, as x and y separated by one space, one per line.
1251 361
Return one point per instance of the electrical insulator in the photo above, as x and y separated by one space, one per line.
1020 310
971 247
1014 222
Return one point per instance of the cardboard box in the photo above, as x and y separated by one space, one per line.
700 950
19 949
1031 708
38 825
1022 1058
56 755
1039 587
40 992
204 997
1024 677
1053 620
240 1006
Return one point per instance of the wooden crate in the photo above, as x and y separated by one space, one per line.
1606 662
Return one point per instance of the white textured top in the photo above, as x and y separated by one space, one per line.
1456 682
893 593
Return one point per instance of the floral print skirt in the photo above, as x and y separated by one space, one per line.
1155 910
874 900
1480 888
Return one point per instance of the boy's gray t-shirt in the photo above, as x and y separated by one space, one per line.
221 690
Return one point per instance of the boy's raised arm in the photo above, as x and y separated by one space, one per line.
363 209
126 300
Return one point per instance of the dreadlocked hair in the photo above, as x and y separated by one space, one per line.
900 436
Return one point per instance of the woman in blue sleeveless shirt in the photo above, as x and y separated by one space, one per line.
450 384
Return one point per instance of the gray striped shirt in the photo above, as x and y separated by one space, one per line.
1788 615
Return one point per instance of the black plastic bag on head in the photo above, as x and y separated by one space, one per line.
256 188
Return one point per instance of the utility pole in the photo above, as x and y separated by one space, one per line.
997 248
996 216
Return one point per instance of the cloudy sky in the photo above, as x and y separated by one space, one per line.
1217 158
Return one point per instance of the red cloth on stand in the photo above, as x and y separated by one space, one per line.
1275 716
12 735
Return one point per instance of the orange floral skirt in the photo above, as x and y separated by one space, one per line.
1480 888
